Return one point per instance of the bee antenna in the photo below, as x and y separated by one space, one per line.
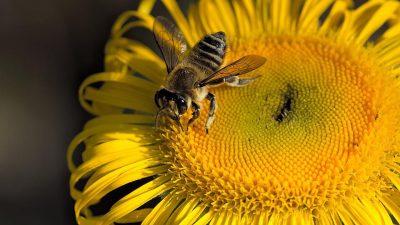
158 116
175 117
156 99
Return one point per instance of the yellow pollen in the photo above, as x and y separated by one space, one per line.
285 141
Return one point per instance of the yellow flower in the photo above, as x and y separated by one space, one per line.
315 140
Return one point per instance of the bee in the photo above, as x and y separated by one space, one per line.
191 72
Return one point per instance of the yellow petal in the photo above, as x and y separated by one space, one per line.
146 6
163 209
136 198
379 17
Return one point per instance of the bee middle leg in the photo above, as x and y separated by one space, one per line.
195 114
211 111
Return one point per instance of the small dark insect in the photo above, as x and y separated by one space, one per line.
190 72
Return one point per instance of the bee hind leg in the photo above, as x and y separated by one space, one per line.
235 81
211 112
195 114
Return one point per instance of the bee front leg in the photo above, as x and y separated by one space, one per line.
213 107
175 117
195 114
177 120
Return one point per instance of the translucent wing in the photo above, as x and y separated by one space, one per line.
240 66
170 40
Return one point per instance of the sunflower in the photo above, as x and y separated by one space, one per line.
314 140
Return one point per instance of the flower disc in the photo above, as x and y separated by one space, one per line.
284 141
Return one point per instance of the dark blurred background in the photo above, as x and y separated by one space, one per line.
47 48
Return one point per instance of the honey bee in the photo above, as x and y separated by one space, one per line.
191 72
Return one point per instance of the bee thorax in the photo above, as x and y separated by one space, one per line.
182 79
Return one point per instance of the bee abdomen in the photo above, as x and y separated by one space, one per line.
209 52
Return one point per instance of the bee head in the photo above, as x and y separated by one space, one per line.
172 100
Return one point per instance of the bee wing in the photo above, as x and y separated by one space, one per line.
170 40
240 66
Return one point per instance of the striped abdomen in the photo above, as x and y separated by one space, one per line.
209 52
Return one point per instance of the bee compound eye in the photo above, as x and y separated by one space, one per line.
181 103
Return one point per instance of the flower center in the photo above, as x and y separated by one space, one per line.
285 140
